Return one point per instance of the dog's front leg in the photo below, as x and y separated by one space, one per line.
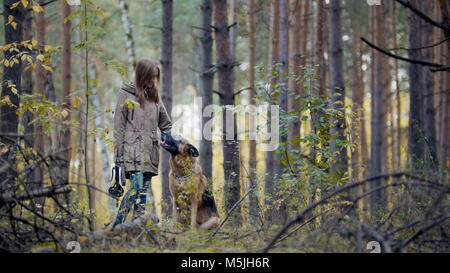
194 210
175 212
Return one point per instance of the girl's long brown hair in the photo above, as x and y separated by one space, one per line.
146 87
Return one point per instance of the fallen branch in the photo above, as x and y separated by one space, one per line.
302 225
302 215
44 192
422 231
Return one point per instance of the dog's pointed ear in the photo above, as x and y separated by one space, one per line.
193 151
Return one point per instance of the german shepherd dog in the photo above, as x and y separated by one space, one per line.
192 201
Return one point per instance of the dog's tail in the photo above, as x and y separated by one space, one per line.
213 222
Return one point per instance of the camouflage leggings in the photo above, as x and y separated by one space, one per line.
137 196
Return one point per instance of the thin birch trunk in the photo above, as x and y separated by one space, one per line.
128 28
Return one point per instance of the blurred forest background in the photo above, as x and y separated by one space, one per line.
363 92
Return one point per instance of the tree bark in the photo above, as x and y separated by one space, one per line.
295 68
283 98
233 30
428 87
416 146
398 142
337 87
128 28
378 117
358 99
274 42
66 134
41 78
229 136
319 60
9 119
253 211
207 84
445 112
166 73
27 87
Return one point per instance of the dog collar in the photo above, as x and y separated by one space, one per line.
184 178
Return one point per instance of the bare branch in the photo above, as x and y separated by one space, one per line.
425 17
400 57
43 192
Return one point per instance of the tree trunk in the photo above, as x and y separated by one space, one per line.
27 87
429 121
131 52
233 30
416 146
305 31
41 78
358 99
207 84
283 98
337 87
9 119
27 78
166 72
274 43
378 117
444 145
295 68
319 59
253 211
229 136
398 142
66 134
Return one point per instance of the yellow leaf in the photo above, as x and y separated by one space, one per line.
14 25
40 57
25 3
13 6
4 149
26 68
34 42
64 113
80 99
23 57
6 47
14 90
16 61
6 63
48 68
75 104
37 8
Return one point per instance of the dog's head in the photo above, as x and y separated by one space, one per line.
176 145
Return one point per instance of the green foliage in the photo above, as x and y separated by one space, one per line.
307 158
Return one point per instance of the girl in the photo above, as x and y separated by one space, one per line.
139 113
